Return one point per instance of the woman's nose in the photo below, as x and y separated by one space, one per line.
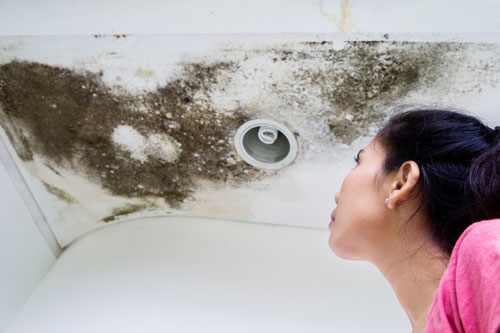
337 197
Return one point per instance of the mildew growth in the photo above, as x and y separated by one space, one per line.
160 143
63 195
125 210
69 118
363 79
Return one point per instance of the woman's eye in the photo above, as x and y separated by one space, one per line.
356 158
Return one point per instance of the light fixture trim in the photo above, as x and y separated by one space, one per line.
247 157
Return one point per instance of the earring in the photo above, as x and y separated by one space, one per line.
397 202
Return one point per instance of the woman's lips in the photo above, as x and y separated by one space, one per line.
333 220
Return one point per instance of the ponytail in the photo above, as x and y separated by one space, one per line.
483 177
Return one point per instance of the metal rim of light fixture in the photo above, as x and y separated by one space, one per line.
266 144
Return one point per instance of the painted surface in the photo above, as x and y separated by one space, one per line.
61 17
107 127
24 255
200 275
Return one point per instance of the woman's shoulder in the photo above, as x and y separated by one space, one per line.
467 299
483 226
479 239
476 277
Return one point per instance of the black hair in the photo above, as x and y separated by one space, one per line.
459 161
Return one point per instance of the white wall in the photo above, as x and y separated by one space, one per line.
60 17
180 274
25 257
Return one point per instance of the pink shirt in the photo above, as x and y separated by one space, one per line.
468 297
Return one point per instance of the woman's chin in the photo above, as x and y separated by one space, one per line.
342 252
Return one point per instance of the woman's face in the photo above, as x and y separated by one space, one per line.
358 225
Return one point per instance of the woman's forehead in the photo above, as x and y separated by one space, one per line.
376 146
369 148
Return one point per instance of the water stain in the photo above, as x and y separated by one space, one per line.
344 23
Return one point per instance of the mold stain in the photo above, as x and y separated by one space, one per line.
117 36
121 211
177 137
63 195
69 118
363 78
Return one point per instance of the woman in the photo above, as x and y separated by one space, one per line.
410 207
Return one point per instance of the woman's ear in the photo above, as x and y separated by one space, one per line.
404 184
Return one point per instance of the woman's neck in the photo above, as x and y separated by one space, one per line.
414 276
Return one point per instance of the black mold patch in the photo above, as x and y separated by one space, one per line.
69 119
364 78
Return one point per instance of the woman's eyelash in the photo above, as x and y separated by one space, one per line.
356 158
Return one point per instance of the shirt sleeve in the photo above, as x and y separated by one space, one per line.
468 297
478 278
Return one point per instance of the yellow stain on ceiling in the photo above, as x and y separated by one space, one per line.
145 73
345 22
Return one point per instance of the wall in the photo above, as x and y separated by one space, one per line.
20 237
201 275
221 17
25 257
140 85
105 128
